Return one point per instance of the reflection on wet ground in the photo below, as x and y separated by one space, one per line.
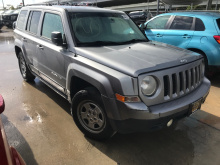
39 125
6 41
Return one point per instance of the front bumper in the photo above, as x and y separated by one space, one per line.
133 117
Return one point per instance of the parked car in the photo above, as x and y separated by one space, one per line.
139 16
85 4
114 78
1 23
8 154
10 17
195 31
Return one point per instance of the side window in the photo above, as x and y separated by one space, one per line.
52 22
33 21
21 19
218 23
158 23
182 23
199 25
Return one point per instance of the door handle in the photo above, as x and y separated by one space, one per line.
158 35
40 47
24 39
186 36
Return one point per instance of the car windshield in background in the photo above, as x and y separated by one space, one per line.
99 29
16 11
9 11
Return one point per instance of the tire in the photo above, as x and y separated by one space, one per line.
90 116
25 71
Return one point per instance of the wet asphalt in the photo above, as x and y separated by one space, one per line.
38 124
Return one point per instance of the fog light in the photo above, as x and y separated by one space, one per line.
170 123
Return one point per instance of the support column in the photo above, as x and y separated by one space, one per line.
209 5
158 4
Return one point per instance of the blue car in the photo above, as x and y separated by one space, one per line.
195 31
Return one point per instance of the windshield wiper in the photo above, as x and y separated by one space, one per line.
135 41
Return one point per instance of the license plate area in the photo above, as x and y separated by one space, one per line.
195 106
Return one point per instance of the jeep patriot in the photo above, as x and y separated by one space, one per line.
114 77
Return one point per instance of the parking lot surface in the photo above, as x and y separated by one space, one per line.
38 124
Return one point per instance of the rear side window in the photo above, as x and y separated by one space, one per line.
199 25
33 21
182 23
218 23
158 23
21 19
52 22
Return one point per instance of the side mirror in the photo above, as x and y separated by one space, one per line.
56 38
14 25
2 104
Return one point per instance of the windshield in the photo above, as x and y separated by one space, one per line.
9 11
98 29
16 11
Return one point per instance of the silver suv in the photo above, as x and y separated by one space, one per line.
114 77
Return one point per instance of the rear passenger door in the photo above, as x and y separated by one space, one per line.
30 38
49 56
179 32
156 27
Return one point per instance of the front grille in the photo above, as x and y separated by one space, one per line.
6 17
177 84
174 82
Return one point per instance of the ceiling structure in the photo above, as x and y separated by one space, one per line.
185 2
108 3
133 5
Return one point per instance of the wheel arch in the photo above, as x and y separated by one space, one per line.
79 77
200 52
77 84
17 50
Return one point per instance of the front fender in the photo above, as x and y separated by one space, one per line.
20 45
94 78
107 80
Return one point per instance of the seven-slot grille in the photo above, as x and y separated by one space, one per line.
177 84
6 17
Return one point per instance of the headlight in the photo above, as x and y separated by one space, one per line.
149 85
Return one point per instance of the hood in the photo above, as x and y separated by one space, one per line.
138 58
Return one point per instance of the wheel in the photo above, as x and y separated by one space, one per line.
25 72
89 114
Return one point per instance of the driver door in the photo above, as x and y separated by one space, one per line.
50 57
